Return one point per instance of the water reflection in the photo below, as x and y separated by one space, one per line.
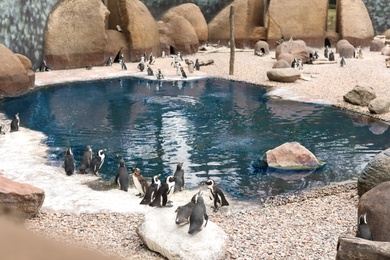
218 129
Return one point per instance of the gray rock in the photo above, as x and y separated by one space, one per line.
346 50
284 75
350 248
161 234
376 203
280 64
376 45
375 172
379 106
360 96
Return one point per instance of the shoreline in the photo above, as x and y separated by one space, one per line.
297 225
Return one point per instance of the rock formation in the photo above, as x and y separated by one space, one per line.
248 27
16 74
23 197
376 45
354 23
297 48
349 247
283 74
360 96
376 172
291 18
75 36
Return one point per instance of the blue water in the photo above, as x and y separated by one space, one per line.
219 129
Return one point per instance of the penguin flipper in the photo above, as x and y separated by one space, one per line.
206 217
223 201
165 198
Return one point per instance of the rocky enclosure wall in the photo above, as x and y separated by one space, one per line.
379 11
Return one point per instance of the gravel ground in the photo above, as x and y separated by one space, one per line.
304 225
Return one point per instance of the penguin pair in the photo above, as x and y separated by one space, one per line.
198 215
98 161
164 193
216 195
15 123
179 178
140 182
122 176
151 190
69 164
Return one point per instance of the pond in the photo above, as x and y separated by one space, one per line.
219 129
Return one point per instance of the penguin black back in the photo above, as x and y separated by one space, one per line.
198 215
217 195
363 228
15 123
179 178
69 162
151 191
98 161
183 213
122 176
86 160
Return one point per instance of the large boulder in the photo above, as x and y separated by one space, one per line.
379 106
376 45
75 36
288 57
360 96
286 75
291 18
23 197
386 50
354 23
161 234
280 64
297 48
140 29
376 172
16 75
248 15
194 16
116 43
349 247
340 43
346 50
182 29
291 155
376 203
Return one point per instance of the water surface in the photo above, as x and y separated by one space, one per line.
219 129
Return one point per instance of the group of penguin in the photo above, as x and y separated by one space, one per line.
89 163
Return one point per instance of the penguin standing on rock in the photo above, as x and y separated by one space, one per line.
198 215
140 182
152 190
69 164
86 160
15 123
179 178
122 176
363 228
98 161
216 195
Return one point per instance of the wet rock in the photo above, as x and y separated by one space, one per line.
283 75
22 197
375 172
360 96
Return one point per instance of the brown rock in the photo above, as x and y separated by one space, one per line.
379 106
261 46
74 39
349 247
354 23
386 50
193 15
248 16
291 18
376 45
360 96
297 48
281 64
23 197
116 42
333 37
287 57
286 75
340 43
290 155
25 61
140 29
376 203
15 79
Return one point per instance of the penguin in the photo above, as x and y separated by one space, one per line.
216 195
123 65
15 123
170 181
140 182
98 161
179 178
43 67
121 57
198 215
178 71
163 54
118 28
152 59
179 56
141 65
363 228
69 164
294 64
183 213
191 66
331 56
342 62
300 65
150 71
183 73
109 62
174 61
197 65
159 74
326 52
161 197
122 176
152 189
86 160
316 56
